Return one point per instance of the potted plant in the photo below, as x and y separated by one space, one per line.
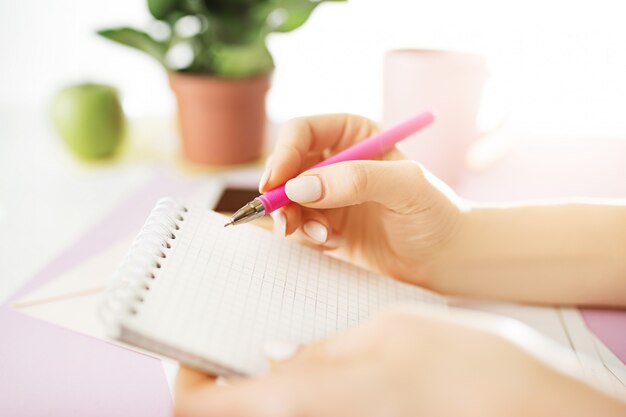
219 67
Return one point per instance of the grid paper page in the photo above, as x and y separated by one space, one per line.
222 293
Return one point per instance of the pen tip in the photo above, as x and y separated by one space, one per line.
230 223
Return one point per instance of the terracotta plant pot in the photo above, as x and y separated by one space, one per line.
221 120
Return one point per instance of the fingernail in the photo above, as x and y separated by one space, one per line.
316 231
280 222
304 189
335 241
278 350
264 179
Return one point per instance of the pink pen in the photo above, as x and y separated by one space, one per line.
369 148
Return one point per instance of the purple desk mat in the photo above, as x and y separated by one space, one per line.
49 371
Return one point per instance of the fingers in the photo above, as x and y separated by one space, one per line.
197 395
188 379
398 185
303 140
286 392
251 398
188 383
287 219
316 228
308 226
301 378
277 351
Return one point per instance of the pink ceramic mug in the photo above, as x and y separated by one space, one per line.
450 84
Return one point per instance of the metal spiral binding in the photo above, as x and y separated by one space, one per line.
142 261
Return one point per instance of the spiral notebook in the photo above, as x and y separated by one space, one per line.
212 297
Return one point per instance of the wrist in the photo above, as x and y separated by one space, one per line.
442 260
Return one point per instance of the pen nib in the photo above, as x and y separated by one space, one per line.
230 223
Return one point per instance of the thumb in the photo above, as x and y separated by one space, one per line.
397 185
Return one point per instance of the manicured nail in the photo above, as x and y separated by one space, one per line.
316 231
264 179
304 189
277 350
335 241
280 222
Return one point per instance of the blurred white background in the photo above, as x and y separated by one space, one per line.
558 66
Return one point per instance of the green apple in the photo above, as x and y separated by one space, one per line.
90 120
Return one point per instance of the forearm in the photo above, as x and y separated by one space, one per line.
566 253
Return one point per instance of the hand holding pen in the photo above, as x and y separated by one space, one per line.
372 147
383 214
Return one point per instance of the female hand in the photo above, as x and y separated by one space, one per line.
403 363
388 215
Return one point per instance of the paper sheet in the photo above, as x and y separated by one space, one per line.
222 293
71 300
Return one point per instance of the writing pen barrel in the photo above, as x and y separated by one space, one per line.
370 148
380 143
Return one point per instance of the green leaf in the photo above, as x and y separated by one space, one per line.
137 39
237 30
293 12
161 8
193 6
